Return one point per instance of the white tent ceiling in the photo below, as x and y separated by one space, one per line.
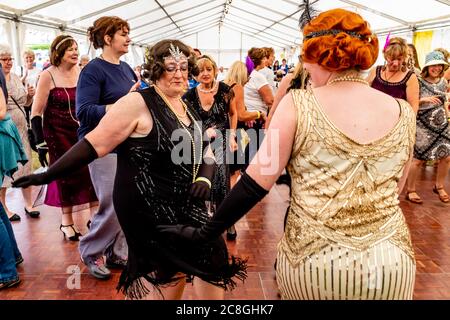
274 22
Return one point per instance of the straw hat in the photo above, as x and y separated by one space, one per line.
435 58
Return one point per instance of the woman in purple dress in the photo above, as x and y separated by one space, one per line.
398 81
394 78
57 133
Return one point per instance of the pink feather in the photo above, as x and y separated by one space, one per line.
388 38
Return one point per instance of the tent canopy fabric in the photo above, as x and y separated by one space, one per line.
272 21
224 28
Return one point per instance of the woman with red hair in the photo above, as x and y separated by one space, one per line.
345 145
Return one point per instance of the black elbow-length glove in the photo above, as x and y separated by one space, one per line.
80 155
245 194
41 145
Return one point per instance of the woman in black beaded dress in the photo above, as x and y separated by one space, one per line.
160 179
213 101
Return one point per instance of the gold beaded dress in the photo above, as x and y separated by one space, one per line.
346 236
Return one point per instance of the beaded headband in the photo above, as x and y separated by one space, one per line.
335 32
62 41
176 54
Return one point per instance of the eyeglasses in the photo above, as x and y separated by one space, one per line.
7 59
173 67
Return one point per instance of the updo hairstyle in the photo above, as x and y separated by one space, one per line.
344 50
256 55
103 26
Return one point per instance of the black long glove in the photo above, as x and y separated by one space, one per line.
80 155
41 145
245 194
200 188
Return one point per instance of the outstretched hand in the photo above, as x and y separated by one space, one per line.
181 231
30 180
201 190
42 154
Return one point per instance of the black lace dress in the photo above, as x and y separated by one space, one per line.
216 116
151 188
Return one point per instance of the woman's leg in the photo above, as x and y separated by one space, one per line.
414 170
8 250
28 202
172 292
3 202
207 291
442 172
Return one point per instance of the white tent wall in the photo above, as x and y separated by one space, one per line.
231 45
243 23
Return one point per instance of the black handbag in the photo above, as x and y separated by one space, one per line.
26 114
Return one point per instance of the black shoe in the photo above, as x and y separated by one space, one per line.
33 213
231 234
9 284
19 260
88 224
70 229
14 217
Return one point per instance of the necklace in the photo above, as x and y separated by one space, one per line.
347 78
210 90
197 161
68 102
166 100
392 75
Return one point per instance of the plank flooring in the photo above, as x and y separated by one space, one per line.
49 260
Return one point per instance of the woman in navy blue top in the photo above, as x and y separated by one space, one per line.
102 82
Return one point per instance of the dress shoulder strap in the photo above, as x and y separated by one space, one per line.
51 76
302 101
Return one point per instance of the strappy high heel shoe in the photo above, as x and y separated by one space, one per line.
70 228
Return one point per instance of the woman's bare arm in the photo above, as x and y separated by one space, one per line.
127 116
42 92
412 92
275 151
281 92
2 105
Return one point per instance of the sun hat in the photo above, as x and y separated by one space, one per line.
435 58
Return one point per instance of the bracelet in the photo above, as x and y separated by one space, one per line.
204 180
259 114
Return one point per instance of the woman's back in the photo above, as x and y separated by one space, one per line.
345 172
362 113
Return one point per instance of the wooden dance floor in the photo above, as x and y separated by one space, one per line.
50 260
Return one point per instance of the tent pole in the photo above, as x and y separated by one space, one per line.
17 45
220 47
240 50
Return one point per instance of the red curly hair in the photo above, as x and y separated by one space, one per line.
342 51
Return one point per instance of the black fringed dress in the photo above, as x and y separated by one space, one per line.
152 188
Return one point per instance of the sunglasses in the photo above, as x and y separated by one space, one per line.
6 59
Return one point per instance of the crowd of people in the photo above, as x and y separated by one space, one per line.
190 144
